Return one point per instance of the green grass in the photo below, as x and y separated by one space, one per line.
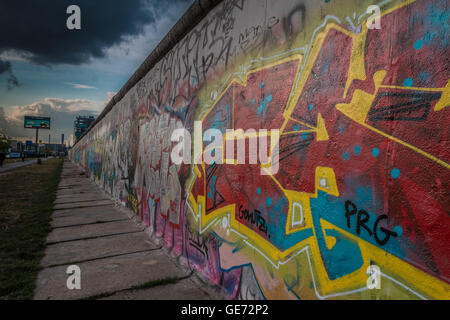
12 160
26 202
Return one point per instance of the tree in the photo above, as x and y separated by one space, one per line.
4 143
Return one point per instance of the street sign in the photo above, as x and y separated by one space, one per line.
36 122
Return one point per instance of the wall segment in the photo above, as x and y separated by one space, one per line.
364 161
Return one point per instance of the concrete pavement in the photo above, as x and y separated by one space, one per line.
116 257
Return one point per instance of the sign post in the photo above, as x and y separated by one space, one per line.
37 135
37 123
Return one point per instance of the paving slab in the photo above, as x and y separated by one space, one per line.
81 204
65 222
88 210
92 230
76 186
69 179
72 171
93 194
63 218
107 275
81 250
72 174
182 290
79 198
72 177
76 191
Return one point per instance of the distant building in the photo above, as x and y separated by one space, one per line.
16 146
56 147
81 124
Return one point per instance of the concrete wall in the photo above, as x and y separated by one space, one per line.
364 144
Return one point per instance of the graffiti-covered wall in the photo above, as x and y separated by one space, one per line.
358 206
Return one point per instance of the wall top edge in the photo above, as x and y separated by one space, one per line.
196 12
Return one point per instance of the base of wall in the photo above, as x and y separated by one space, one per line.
181 262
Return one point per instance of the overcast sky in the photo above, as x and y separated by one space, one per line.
47 69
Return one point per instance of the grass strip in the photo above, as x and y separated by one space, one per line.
26 202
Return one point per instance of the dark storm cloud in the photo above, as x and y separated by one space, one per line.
5 67
39 27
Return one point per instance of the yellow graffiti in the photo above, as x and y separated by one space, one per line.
396 272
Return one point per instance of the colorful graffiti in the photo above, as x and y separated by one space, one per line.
363 158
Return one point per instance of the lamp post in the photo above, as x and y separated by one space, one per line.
37 146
